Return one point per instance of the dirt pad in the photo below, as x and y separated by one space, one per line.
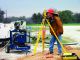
44 56
40 56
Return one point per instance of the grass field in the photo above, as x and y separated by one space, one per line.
69 24
72 24
36 27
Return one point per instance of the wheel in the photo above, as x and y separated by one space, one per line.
4 43
7 49
28 51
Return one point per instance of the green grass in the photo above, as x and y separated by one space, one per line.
69 24
33 24
72 24
36 27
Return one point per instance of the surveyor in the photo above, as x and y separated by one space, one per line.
57 26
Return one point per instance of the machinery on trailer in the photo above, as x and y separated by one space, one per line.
18 38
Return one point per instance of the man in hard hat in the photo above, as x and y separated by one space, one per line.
57 26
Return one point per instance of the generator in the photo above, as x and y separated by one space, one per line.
18 38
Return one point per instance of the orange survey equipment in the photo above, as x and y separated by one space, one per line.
43 37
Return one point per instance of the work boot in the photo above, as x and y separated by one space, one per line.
48 53
51 52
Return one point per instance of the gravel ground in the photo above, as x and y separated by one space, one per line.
45 56
10 56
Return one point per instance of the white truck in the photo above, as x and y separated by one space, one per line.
4 33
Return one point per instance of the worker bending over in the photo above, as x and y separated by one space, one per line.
57 26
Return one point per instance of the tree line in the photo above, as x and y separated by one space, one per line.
66 16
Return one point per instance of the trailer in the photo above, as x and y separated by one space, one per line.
18 39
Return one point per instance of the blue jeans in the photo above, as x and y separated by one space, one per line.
52 41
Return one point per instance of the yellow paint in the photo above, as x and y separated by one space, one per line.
67 54
70 58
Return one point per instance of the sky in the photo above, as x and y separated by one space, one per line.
28 7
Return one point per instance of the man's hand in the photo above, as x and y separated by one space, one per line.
43 21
